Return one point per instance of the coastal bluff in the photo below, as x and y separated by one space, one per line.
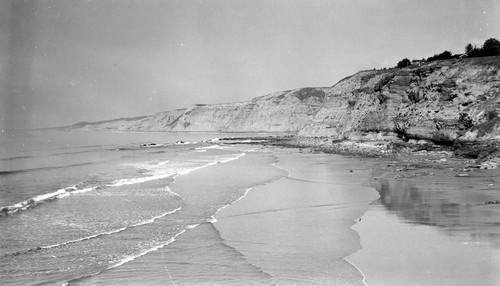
444 102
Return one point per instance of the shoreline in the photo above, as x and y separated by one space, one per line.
383 172
401 156
442 216
374 145
299 228
360 271
425 191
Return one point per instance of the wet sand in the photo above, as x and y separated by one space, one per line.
432 226
298 229
401 253
293 227
432 220
198 256
334 220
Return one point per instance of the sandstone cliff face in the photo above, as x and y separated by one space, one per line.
442 101
276 112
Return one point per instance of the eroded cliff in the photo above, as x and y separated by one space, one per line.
441 101
277 112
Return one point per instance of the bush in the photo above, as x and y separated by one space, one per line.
404 63
469 48
491 47
446 55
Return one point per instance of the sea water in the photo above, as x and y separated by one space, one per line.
74 206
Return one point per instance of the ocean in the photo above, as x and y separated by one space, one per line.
108 208
74 205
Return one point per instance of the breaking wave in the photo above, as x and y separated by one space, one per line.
156 171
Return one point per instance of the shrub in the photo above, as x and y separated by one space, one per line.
491 47
469 48
446 55
404 63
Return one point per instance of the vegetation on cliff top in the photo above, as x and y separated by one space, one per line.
491 47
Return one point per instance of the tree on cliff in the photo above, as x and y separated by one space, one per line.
491 47
404 63
469 48
446 55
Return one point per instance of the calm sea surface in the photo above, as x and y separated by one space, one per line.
75 205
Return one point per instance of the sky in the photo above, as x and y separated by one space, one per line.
66 61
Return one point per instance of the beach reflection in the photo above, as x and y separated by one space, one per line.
456 210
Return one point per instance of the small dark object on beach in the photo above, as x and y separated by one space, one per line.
351 171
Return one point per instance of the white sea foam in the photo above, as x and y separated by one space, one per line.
172 193
155 248
213 219
213 147
192 226
149 221
133 257
58 194
65 192
362 274
162 170
133 181
84 190
84 238
244 195
219 161
157 170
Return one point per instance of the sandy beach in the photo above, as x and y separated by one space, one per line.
432 226
298 228
430 220
334 220
258 214
294 228
283 142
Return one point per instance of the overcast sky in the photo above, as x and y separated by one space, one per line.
67 61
